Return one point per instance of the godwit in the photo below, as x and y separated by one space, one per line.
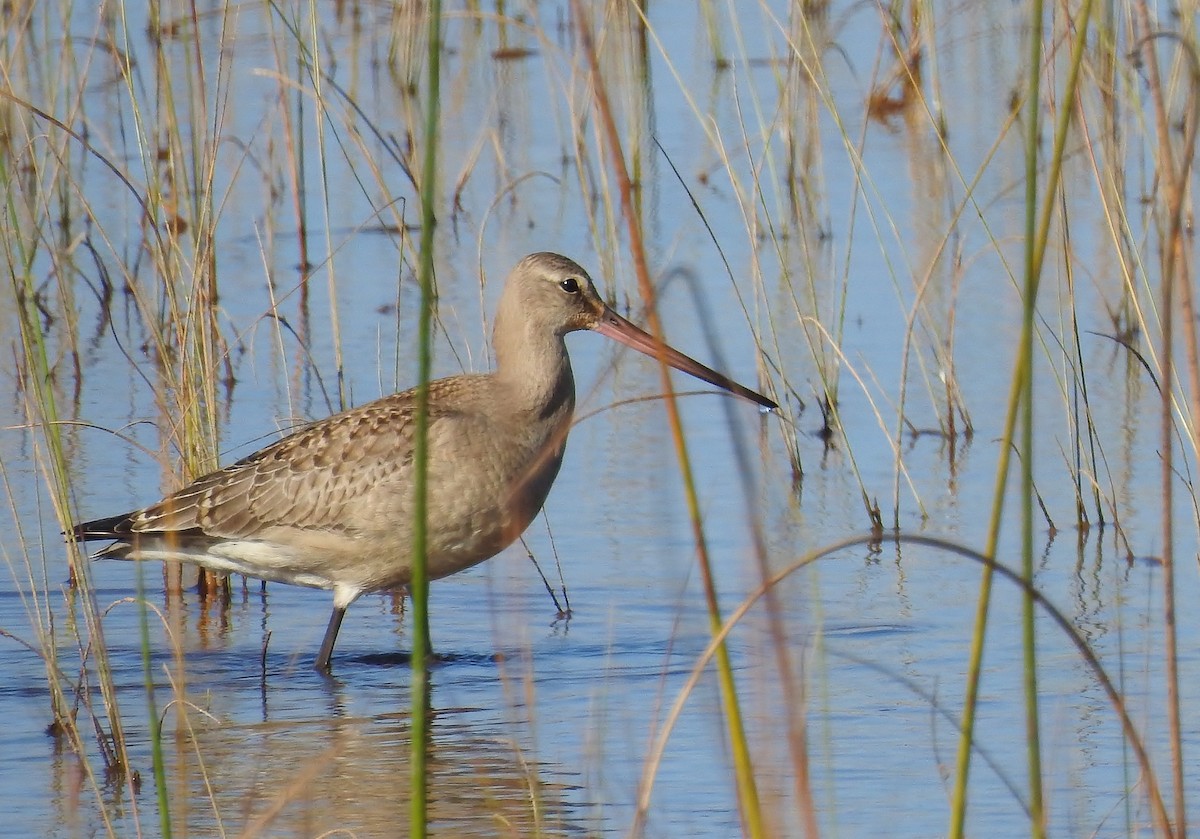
329 506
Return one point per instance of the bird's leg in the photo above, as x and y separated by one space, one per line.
335 623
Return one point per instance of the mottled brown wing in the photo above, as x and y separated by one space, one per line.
307 480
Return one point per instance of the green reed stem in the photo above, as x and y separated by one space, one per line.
1037 812
44 413
419 586
155 721
1020 400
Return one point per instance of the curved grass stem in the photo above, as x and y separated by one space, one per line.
1020 403
747 790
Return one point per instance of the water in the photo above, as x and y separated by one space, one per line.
543 723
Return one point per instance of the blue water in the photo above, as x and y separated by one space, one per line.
543 723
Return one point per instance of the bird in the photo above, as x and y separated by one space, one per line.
330 505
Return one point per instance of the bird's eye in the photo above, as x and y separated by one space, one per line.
570 285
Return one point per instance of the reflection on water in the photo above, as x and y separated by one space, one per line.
544 726
856 256
310 776
266 747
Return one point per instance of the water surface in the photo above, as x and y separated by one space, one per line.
544 724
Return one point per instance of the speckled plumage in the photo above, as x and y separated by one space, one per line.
330 505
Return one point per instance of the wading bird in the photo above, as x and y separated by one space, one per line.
331 505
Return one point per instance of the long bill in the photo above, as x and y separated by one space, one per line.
614 326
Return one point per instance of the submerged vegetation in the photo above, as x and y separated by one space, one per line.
956 242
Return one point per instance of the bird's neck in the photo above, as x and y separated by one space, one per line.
534 367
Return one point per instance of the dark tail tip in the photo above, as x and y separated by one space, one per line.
113 527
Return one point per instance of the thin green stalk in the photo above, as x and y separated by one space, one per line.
419 586
1035 256
44 413
155 721
1037 810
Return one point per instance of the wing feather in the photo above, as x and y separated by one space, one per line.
309 479
315 478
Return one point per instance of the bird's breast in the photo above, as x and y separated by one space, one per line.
486 484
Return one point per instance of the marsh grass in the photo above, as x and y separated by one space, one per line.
747 786
131 258
419 586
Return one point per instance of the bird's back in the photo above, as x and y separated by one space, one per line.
333 501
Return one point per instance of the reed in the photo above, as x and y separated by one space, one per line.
419 587
39 178
1176 281
747 785
1016 577
138 153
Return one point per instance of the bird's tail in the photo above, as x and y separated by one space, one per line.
113 527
